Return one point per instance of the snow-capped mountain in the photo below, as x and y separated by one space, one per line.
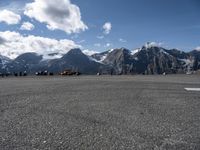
3 62
146 60
149 60
75 59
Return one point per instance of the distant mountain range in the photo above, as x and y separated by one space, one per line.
145 60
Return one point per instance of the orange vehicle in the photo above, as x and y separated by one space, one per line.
69 72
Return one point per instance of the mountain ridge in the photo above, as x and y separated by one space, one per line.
145 60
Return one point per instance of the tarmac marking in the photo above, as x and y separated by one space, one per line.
193 89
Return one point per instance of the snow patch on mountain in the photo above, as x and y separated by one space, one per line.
4 61
163 51
103 57
93 59
89 52
110 51
52 56
133 52
187 62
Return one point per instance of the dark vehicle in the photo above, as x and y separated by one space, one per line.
51 73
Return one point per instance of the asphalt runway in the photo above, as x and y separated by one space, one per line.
100 112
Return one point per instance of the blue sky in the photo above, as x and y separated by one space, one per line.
173 23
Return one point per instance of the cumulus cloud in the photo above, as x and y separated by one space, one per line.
57 14
2 40
15 44
9 17
27 26
153 44
107 27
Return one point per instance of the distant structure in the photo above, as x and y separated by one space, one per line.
69 72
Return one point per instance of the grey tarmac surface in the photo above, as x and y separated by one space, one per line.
100 112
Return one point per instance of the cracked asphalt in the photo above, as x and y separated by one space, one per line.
100 112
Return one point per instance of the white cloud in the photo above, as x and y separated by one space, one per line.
108 45
2 40
153 44
27 26
97 44
14 44
9 17
197 48
107 27
100 37
122 40
57 14
89 52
